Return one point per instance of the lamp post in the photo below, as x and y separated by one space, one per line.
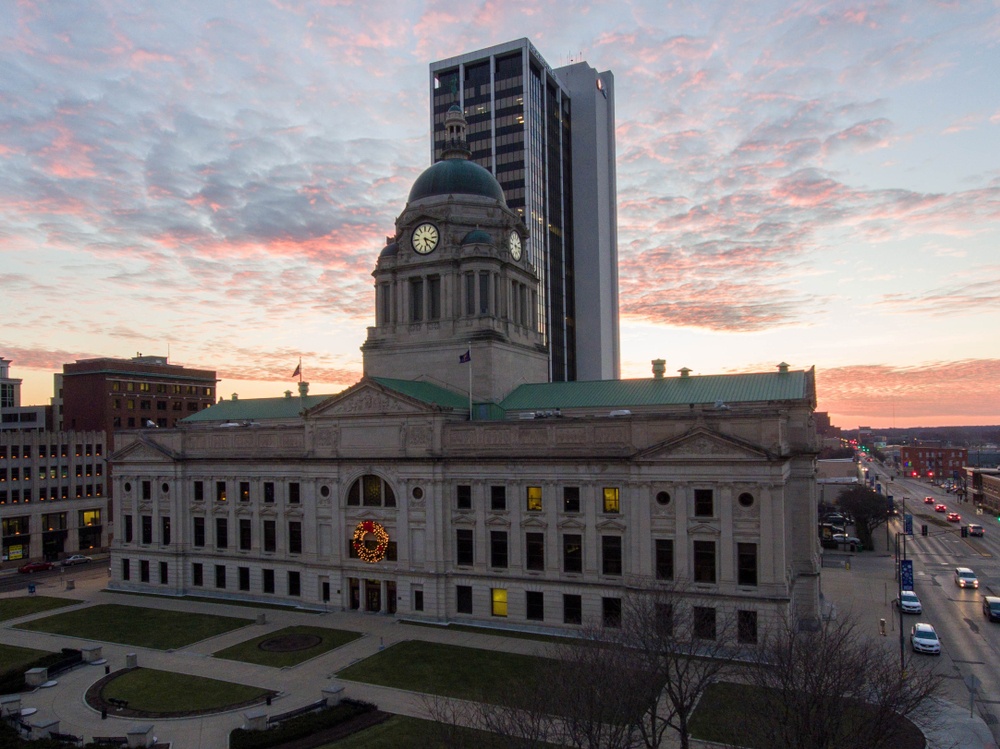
904 573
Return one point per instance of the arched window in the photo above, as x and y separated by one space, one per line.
371 491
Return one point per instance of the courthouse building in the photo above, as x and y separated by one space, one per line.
455 483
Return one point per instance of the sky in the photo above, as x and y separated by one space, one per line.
810 182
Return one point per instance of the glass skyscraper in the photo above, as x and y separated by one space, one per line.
548 137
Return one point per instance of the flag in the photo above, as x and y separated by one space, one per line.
465 358
298 370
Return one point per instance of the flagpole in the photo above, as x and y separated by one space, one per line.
300 369
470 380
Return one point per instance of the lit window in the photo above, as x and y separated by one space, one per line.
534 499
611 500
499 597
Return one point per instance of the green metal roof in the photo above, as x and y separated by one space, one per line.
456 177
254 409
669 391
426 392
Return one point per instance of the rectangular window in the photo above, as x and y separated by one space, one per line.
534 605
434 298
147 529
199 531
704 506
463 599
147 487
294 496
128 529
220 491
416 299
534 494
244 491
126 569
270 536
498 498
244 578
220 576
611 612
611 499
267 580
463 547
221 533
498 598
245 534
704 622
498 549
470 294
418 600
664 559
463 497
199 491
144 571
295 537
664 619
294 583
197 574
268 491
571 499
611 555
572 552
572 609
163 573
484 293
534 544
704 561
746 627
165 530
746 564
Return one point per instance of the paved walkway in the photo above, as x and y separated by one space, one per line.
866 590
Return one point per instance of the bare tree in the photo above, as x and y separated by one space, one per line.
833 687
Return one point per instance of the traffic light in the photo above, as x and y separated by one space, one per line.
923 529
965 531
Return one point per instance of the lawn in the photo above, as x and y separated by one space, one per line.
160 693
14 608
133 625
447 670
251 652
490 631
400 732
12 657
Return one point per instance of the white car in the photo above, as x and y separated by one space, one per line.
909 603
76 559
966 578
843 538
924 639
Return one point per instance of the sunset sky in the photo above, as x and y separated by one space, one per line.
809 182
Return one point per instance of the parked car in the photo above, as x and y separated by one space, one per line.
929 500
924 639
975 529
76 559
35 567
941 508
909 602
954 517
843 538
991 608
965 578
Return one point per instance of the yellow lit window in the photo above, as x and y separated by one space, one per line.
611 501
499 601
534 499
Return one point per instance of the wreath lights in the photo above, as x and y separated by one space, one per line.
365 552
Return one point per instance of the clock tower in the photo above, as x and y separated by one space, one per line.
455 279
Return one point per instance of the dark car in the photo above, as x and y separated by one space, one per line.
35 567
991 608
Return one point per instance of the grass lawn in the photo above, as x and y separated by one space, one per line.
14 608
221 602
12 657
448 670
162 692
490 631
250 652
401 732
133 625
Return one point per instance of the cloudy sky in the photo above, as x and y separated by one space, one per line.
809 182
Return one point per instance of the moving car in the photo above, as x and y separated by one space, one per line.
924 639
35 567
975 529
965 578
941 508
909 602
991 608
929 500
954 517
76 559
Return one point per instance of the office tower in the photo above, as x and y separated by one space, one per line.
548 137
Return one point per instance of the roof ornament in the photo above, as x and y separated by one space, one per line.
455 144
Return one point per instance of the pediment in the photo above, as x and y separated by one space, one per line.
368 398
611 525
703 529
143 451
498 521
572 524
535 522
701 444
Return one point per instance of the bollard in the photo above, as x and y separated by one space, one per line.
104 713
107 670
847 565
268 700
881 627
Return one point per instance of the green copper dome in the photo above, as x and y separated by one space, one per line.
456 177
477 236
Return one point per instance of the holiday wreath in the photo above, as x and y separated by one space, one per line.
365 552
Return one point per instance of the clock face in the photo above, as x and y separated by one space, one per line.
425 238
514 243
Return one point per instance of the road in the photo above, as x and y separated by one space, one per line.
54 579
970 643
